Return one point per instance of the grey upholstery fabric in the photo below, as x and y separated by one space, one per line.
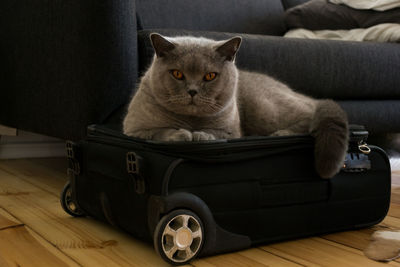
68 63
322 15
255 16
323 69
291 3
378 116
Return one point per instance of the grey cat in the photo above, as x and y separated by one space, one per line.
193 91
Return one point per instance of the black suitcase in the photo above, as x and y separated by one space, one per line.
201 198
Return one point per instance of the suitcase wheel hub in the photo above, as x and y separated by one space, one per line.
181 238
69 202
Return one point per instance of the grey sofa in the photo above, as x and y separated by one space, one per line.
69 64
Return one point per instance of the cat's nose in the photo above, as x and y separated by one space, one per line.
192 92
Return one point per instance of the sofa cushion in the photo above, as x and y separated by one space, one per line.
320 68
261 16
291 3
322 15
379 116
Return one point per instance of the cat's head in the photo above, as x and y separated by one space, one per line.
194 76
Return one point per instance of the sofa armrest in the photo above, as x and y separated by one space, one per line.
319 68
68 63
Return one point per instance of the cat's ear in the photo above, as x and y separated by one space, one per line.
161 45
230 48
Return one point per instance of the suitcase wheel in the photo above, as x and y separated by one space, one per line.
67 202
179 236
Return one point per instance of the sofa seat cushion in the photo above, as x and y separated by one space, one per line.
259 16
322 15
319 68
291 3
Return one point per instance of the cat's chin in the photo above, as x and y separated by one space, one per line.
192 109
189 107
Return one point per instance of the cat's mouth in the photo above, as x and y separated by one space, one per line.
194 106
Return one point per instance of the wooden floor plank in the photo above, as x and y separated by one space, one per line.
233 259
20 246
7 221
87 241
249 257
267 258
395 196
355 239
57 165
50 176
394 210
285 255
320 252
53 249
392 223
360 239
396 178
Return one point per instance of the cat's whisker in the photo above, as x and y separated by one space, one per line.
175 99
213 106
206 100
210 103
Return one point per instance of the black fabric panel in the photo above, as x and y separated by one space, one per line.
377 116
245 184
105 173
322 15
69 63
266 170
320 68
290 222
355 200
256 16
294 193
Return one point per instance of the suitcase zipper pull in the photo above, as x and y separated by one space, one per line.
357 157
358 137
363 147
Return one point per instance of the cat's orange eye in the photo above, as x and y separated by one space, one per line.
210 76
177 74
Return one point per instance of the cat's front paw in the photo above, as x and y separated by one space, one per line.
198 136
180 135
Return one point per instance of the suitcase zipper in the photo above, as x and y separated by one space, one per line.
358 136
226 146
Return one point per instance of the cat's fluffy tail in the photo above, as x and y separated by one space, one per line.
331 131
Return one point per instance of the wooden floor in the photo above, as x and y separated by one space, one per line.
35 231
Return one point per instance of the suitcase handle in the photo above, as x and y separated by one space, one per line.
133 163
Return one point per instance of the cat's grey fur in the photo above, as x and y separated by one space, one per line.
236 103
